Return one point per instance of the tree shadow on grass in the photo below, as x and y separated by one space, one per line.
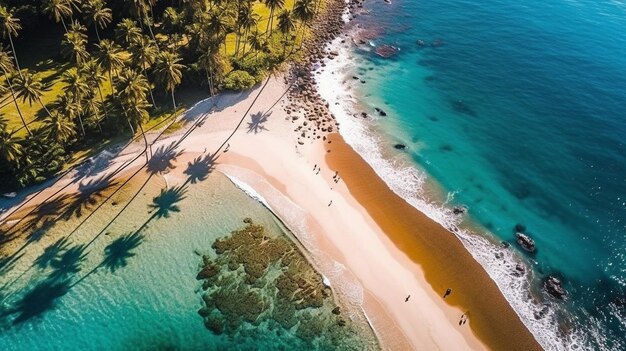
200 168
256 122
163 158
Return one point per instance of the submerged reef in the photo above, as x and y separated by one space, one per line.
256 284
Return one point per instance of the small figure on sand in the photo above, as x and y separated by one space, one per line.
227 147
204 151
448 292
315 167
330 203
407 298
318 171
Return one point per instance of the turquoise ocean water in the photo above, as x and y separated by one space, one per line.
133 286
516 110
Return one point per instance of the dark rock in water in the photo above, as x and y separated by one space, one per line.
336 310
459 210
386 51
505 244
541 313
519 228
400 146
554 288
380 112
499 255
388 1
420 43
519 270
526 242
355 77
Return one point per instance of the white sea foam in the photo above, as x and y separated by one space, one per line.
406 180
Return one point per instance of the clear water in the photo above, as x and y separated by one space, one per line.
518 112
146 299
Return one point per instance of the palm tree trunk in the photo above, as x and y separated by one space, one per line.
63 22
111 80
82 128
97 34
17 107
145 140
268 29
173 100
17 64
102 99
145 74
44 106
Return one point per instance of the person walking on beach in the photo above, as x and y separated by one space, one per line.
315 167
407 298
330 203
448 292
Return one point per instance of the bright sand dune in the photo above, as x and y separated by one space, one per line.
367 235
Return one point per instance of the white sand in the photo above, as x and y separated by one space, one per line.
348 247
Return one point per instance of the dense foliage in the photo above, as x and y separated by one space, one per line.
121 60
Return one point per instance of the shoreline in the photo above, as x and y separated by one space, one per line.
362 246
382 230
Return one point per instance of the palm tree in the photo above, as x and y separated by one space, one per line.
29 87
256 42
59 128
6 65
217 25
58 10
93 108
143 56
10 147
168 72
127 31
75 88
212 63
304 11
10 26
286 24
248 22
69 110
140 9
75 45
109 57
273 5
132 88
92 70
97 14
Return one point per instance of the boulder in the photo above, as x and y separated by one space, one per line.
400 146
553 287
526 242
459 210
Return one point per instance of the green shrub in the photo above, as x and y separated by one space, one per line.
238 80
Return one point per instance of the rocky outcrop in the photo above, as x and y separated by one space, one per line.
525 241
553 286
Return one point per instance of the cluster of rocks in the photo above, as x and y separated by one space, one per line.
306 108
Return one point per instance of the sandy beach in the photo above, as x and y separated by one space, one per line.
356 230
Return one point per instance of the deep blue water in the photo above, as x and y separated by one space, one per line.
520 112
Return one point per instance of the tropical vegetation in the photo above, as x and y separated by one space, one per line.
76 74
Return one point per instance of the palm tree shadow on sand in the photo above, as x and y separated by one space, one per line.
200 168
163 158
257 121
